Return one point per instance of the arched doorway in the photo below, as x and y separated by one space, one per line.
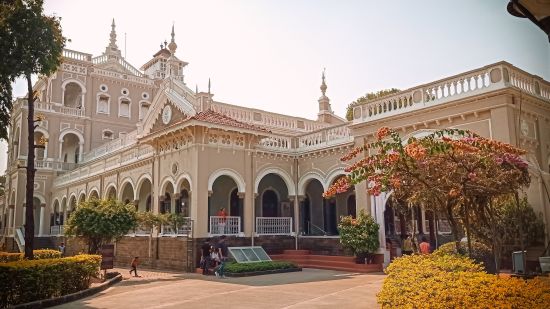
183 202
144 195
351 206
111 193
270 204
313 209
225 194
166 199
127 196
71 148
94 195
37 207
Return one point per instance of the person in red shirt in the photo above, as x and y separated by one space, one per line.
221 225
424 246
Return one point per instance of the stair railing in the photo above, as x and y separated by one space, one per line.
20 238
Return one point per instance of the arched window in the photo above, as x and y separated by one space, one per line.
166 204
72 96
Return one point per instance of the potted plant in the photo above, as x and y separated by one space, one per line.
360 235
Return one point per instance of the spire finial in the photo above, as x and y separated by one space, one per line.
112 47
196 88
209 85
323 84
172 46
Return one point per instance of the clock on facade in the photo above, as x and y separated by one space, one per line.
166 114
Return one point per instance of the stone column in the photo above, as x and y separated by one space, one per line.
80 150
377 212
41 221
245 213
61 150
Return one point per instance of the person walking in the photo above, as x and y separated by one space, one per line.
222 253
424 246
61 249
134 265
205 256
407 245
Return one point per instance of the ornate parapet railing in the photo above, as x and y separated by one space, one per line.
49 165
76 55
326 137
117 75
106 160
178 230
230 225
51 107
475 82
274 226
267 119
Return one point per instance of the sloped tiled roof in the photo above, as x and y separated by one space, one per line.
217 118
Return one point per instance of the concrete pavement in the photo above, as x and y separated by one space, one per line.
310 288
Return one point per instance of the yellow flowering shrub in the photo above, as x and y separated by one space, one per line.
6 257
432 281
29 280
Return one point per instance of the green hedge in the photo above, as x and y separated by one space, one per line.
234 268
29 280
41 254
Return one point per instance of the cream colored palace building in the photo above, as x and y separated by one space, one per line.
143 136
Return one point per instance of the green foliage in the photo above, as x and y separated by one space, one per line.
101 222
175 220
366 98
260 266
520 224
480 253
150 220
30 280
6 257
30 43
361 234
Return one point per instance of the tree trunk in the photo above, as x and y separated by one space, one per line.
29 194
520 226
467 224
454 225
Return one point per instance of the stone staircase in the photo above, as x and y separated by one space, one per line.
304 258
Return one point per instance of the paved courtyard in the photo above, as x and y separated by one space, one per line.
310 288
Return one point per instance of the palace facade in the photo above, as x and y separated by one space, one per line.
143 136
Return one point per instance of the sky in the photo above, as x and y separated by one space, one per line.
269 54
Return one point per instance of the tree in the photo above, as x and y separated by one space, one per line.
30 43
366 98
101 221
454 172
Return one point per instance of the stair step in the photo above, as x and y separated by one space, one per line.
296 252
314 257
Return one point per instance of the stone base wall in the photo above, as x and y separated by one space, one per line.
322 245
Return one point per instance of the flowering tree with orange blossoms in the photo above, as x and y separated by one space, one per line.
452 172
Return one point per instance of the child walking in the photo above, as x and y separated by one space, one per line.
135 263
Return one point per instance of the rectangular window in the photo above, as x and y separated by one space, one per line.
124 109
103 105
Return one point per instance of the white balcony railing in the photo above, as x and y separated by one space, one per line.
274 226
183 230
230 225
57 230
49 165
140 231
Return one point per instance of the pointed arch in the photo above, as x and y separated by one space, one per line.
92 191
167 180
181 178
230 173
333 175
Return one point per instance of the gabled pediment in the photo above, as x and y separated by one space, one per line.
168 108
